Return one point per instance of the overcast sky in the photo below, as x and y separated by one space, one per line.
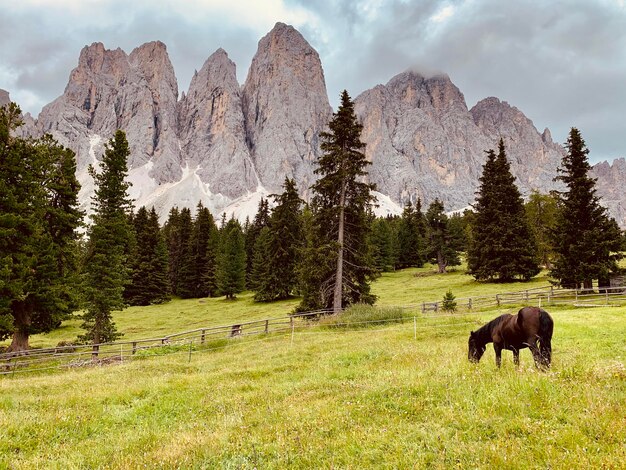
563 63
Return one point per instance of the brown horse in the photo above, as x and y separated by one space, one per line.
530 326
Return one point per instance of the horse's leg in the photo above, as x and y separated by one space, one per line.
516 357
498 349
532 345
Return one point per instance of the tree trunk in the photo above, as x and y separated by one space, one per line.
338 294
22 320
441 263
588 284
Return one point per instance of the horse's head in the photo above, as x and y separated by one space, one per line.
476 349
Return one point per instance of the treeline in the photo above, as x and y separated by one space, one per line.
326 252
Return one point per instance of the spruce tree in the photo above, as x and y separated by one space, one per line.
106 271
341 204
441 249
502 246
231 260
277 256
382 241
185 266
194 282
411 233
149 280
541 212
173 243
251 232
586 241
38 217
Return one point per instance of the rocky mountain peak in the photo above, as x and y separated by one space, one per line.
212 132
285 106
4 97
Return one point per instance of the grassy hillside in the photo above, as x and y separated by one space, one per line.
409 286
398 396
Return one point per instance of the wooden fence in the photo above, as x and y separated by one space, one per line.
218 336
548 295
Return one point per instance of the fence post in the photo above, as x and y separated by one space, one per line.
423 308
163 340
526 296
203 337
292 330
190 345
94 351
134 347
267 326
469 304
498 300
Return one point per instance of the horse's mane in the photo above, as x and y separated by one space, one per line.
484 332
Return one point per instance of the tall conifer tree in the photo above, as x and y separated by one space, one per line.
231 260
38 217
341 222
277 255
502 246
106 271
411 236
441 248
149 264
586 241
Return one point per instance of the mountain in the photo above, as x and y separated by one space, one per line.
285 106
611 180
227 145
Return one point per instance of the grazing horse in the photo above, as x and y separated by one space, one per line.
515 332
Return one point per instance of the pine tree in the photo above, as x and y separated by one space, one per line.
194 282
411 233
231 260
586 241
186 260
38 217
441 248
340 207
149 280
541 212
501 246
173 243
106 271
277 256
382 241
251 232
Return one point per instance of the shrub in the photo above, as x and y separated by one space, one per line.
362 315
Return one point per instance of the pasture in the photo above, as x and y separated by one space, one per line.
397 395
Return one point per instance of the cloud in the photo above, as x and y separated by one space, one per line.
562 64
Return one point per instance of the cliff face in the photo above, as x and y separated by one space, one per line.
424 142
227 145
211 129
610 186
285 107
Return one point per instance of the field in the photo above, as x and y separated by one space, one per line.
400 395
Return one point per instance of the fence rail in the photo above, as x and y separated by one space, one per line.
120 351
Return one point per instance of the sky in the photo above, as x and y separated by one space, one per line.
561 62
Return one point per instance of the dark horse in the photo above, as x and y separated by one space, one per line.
530 326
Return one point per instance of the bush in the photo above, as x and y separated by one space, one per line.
362 315
449 305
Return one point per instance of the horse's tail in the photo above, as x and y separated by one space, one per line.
546 325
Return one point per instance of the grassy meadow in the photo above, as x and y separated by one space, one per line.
398 395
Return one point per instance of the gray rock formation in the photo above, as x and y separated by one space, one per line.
110 90
227 145
4 98
423 142
285 106
610 186
211 129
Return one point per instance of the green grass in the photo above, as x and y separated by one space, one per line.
387 395
398 396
